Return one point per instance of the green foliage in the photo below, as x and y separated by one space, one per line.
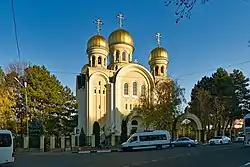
50 101
124 131
96 132
2 76
161 111
7 115
220 99
82 138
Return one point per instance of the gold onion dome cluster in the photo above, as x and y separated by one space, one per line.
97 41
120 36
158 53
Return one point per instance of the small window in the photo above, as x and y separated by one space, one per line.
143 90
99 60
93 61
156 70
99 106
103 92
95 91
99 91
116 67
126 106
162 69
134 122
144 138
130 106
117 55
123 56
135 88
5 140
99 83
105 61
133 139
125 89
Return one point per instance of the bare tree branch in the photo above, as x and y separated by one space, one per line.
17 66
184 7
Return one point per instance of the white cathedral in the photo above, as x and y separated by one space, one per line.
107 91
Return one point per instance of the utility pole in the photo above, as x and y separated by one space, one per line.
26 103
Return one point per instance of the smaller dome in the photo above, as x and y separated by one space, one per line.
85 69
158 52
121 36
97 41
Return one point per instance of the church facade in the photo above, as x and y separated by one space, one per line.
110 85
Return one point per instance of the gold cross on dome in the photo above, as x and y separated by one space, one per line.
158 38
120 16
98 23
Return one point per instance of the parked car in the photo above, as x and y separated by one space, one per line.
184 142
219 140
240 137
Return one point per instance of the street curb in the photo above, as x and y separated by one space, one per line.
97 151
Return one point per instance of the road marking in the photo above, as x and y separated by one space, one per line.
154 160
145 162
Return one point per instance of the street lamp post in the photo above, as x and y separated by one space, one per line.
26 103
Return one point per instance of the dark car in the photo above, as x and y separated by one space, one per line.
183 142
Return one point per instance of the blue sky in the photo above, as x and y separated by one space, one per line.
55 33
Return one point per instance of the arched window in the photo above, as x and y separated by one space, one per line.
156 70
123 56
93 61
117 55
125 89
162 69
143 90
135 88
105 61
134 122
99 60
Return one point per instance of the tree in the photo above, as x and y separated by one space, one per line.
7 115
161 107
96 132
82 138
49 101
17 66
2 76
183 7
124 131
220 99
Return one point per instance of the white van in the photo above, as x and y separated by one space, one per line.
6 147
157 139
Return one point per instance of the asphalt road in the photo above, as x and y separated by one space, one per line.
233 155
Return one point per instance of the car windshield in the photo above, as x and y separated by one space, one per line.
217 137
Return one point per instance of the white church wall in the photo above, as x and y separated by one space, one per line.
126 103
97 100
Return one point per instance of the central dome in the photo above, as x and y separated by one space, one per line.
121 36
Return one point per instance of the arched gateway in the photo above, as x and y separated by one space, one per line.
134 123
194 118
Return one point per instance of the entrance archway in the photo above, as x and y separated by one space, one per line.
190 116
134 123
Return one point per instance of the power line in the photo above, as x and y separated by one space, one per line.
212 69
15 29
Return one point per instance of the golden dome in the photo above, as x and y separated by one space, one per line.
85 69
97 41
120 36
158 52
